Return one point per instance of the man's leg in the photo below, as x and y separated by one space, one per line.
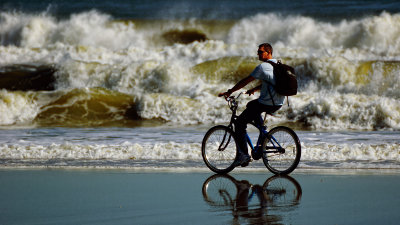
251 113
248 115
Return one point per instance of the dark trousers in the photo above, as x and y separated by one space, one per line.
252 113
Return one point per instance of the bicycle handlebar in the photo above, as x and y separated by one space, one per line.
230 98
233 104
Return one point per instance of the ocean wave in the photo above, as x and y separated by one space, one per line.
122 71
170 96
83 29
338 74
313 155
124 151
76 107
17 108
83 107
37 31
226 69
344 111
376 34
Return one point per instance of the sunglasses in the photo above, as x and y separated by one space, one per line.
260 52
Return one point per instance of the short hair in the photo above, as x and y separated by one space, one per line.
267 47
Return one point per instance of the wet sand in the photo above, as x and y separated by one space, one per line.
94 196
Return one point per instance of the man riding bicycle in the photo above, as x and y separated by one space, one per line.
269 101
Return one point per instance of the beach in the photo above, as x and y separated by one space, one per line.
104 106
93 196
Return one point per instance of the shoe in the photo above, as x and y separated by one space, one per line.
243 160
246 162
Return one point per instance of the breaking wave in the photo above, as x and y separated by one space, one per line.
121 72
383 156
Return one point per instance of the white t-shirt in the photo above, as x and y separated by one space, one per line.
265 73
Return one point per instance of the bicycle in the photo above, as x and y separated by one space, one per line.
279 148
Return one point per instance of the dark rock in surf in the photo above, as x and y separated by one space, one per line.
27 77
184 37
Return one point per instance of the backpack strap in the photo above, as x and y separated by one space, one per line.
270 94
272 98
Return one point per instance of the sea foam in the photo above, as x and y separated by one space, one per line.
313 155
378 34
347 70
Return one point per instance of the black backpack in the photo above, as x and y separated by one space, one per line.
285 79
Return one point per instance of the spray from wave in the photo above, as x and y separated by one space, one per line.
376 34
110 72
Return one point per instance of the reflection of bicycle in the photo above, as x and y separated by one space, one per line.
279 148
226 193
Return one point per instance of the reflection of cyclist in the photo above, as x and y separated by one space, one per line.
269 101
242 200
244 196
253 202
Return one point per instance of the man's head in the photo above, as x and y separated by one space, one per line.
264 52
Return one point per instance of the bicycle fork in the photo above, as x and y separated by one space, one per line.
223 146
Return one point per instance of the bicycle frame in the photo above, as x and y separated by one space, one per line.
264 133
233 105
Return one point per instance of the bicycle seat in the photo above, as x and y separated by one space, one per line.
265 116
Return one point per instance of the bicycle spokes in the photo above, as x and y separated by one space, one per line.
282 150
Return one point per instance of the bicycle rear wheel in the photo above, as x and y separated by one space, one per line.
219 149
281 150
282 191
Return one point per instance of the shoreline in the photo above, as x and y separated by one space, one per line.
186 170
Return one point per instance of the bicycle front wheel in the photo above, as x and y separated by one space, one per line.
220 190
219 149
281 150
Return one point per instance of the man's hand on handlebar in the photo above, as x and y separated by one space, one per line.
225 94
229 93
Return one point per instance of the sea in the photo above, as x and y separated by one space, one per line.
134 84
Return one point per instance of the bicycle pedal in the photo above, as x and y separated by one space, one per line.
246 163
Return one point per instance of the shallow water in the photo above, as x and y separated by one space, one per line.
159 147
126 197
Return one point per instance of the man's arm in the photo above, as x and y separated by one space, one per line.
238 86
